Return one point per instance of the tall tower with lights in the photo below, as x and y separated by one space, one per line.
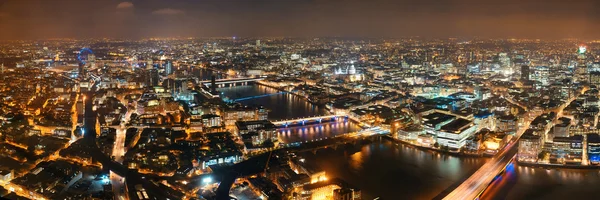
581 71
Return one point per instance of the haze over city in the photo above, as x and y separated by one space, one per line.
552 19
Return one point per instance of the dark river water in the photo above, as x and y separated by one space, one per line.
521 182
282 105
394 171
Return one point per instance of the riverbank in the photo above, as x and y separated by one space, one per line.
557 166
437 150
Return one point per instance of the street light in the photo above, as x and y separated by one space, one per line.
207 180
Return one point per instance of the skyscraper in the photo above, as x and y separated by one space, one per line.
595 78
81 70
525 72
153 78
169 68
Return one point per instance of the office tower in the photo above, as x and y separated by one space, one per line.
595 78
169 68
91 58
153 78
81 70
525 72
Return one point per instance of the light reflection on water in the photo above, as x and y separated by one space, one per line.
282 106
288 106
316 131
394 171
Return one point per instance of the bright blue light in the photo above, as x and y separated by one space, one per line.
84 50
510 167
105 179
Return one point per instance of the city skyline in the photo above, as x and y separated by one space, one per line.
299 99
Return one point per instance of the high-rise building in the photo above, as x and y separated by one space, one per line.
169 68
525 72
91 58
169 84
474 68
184 87
153 78
257 43
541 74
595 78
504 59
81 70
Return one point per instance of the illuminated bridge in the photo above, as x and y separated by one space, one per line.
254 97
476 184
302 121
232 81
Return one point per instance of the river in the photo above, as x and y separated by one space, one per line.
282 105
390 170
396 171
288 106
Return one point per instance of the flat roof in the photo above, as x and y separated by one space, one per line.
457 126
528 135
436 118
593 138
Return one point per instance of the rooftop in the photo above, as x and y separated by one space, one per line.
457 126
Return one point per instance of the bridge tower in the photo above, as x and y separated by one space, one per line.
213 84
395 126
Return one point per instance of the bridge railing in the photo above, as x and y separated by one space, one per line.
288 121
233 80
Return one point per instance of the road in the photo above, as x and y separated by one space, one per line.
119 147
89 139
118 153
118 184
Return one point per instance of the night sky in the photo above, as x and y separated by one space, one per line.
544 19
